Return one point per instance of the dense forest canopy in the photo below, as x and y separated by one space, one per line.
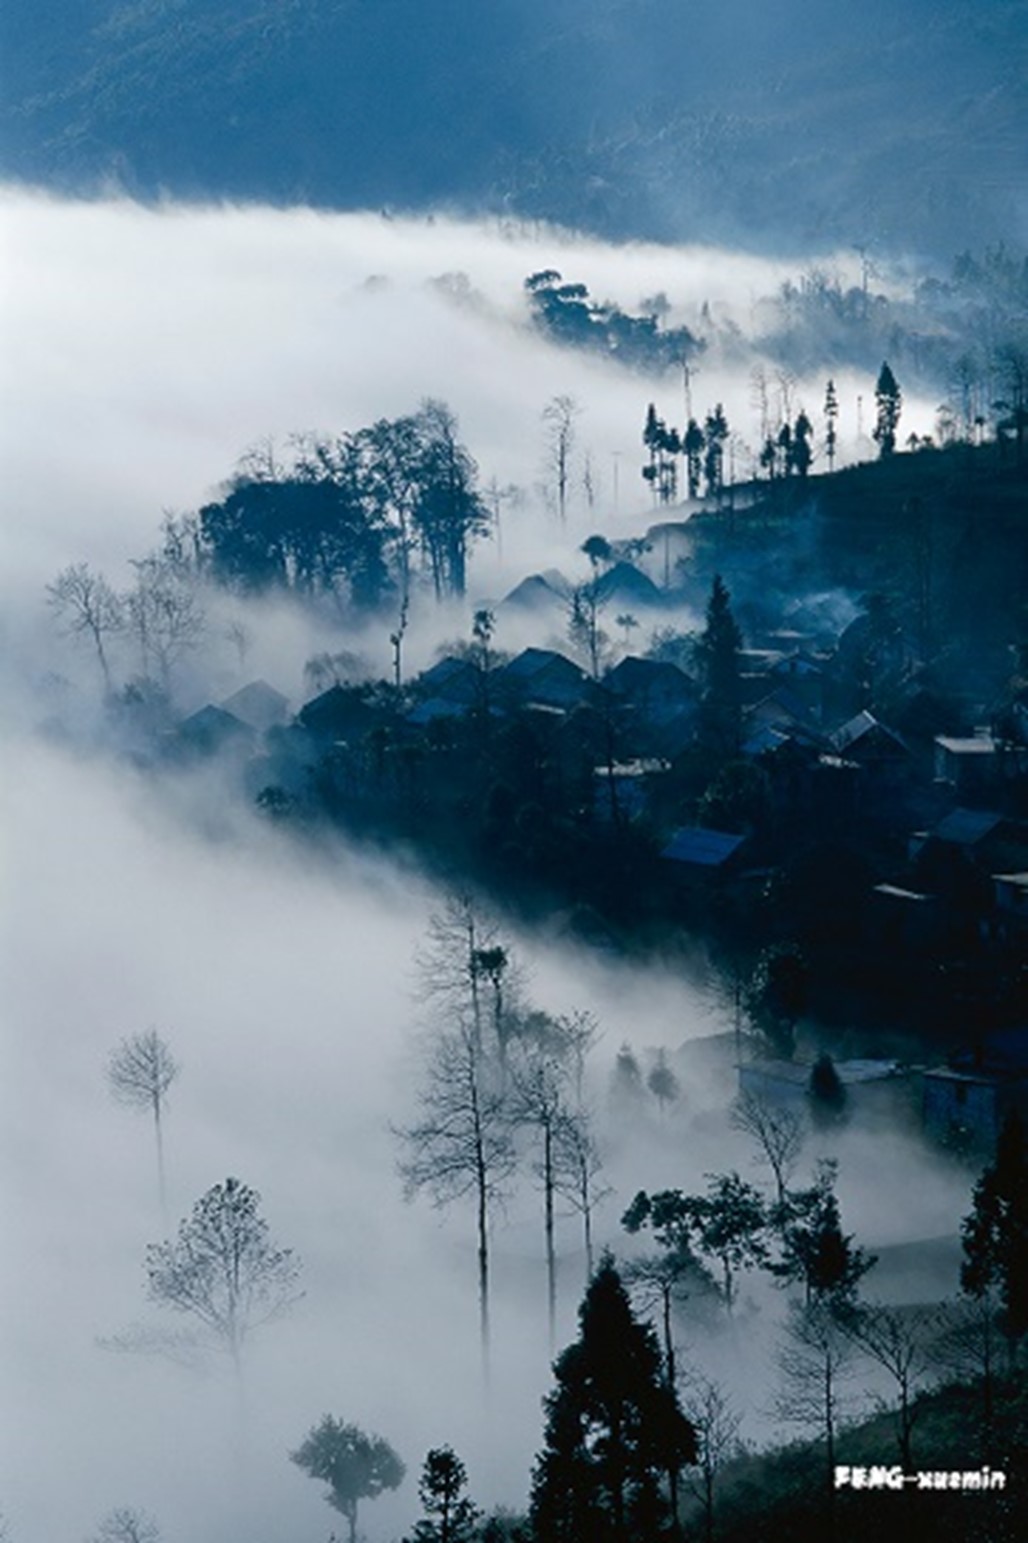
346 516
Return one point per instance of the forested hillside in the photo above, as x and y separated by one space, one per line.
900 125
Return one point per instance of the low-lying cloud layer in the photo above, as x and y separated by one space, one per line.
144 350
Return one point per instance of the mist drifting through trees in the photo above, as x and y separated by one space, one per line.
287 971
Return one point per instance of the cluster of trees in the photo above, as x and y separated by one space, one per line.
622 1453
702 451
360 1466
222 1270
615 1443
732 1227
962 334
566 314
160 615
360 518
503 1084
351 516
789 451
786 450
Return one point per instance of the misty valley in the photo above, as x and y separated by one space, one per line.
517 944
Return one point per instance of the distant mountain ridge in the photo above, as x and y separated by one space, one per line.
794 125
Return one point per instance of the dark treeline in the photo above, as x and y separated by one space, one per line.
953 329
566 313
960 333
349 517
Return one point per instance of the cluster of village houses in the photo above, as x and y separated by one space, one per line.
932 776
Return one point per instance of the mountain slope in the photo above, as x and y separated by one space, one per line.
778 125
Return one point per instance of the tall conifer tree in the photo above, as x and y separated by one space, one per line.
614 1429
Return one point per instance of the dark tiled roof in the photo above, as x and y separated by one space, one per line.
702 847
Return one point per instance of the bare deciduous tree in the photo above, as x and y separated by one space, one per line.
559 416
223 1269
461 1143
241 637
968 1347
87 604
585 608
779 1133
579 1162
127 1525
815 1360
899 1340
538 1098
654 1281
139 1072
165 615
717 1436
449 964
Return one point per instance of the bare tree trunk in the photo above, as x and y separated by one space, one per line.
476 1000
829 1395
161 1184
669 1344
587 1227
671 1375
483 1280
101 655
551 1257
482 1188
906 1427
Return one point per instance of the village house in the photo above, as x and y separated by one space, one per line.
452 680
993 843
660 690
1011 891
621 791
702 853
968 763
803 673
541 595
966 1101
210 732
541 675
886 766
874 1091
258 705
627 588
906 919
656 707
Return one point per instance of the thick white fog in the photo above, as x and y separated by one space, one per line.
283 982
143 351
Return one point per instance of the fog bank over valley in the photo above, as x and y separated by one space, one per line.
283 982
145 351
180 337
